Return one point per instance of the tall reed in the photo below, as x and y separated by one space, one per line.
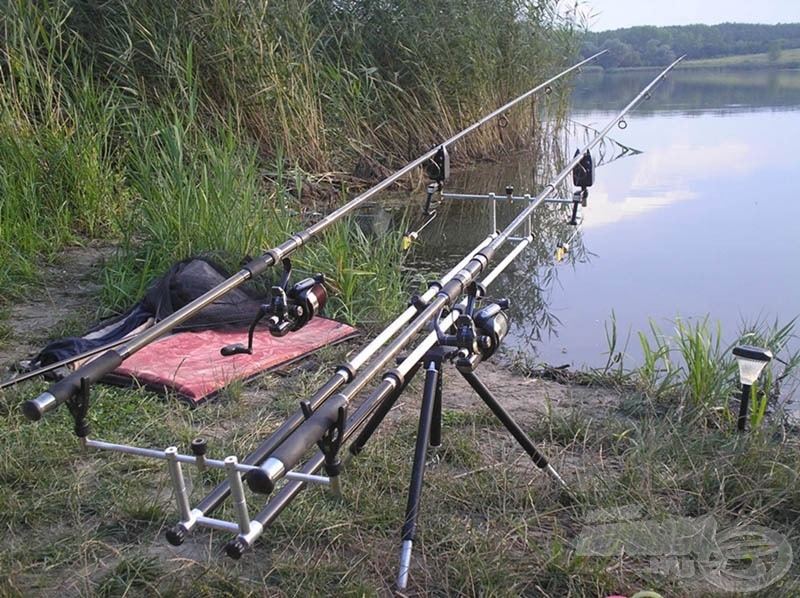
60 178
166 125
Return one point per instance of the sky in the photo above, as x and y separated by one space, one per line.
616 14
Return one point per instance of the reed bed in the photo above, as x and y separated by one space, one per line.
168 128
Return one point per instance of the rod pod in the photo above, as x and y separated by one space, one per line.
281 463
288 455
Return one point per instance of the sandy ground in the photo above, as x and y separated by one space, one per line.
68 296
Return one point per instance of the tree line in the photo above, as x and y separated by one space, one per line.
654 46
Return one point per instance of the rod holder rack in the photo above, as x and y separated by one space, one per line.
191 518
506 197
502 197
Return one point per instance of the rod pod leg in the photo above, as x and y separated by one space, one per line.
518 433
432 376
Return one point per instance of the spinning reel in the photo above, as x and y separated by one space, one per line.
289 309
478 334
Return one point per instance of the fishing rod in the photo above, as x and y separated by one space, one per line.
92 372
287 456
328 427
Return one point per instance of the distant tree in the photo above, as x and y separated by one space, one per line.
619 54
656 53
589 48
774 51
697 41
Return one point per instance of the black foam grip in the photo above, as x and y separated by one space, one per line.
68 387
314 428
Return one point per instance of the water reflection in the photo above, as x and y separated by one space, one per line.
687 91
700 224
692 216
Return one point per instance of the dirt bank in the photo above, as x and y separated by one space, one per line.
67 304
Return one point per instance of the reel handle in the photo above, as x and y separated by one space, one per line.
235 349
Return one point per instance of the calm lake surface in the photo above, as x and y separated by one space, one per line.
704 222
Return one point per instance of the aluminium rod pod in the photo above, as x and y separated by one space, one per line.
387 391
368 413
292 449
343 374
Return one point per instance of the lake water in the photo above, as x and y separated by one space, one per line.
703 222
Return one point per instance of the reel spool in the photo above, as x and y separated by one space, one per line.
307 299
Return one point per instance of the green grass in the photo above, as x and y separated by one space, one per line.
787 59
92 524
60 181
694 367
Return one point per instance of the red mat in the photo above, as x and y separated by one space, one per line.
189 364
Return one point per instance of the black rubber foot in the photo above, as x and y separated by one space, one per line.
235 549
176 536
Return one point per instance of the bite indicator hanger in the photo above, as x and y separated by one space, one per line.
582 177
438 170
289 309
561 251
429 213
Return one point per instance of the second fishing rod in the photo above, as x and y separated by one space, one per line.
86 375
326 417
